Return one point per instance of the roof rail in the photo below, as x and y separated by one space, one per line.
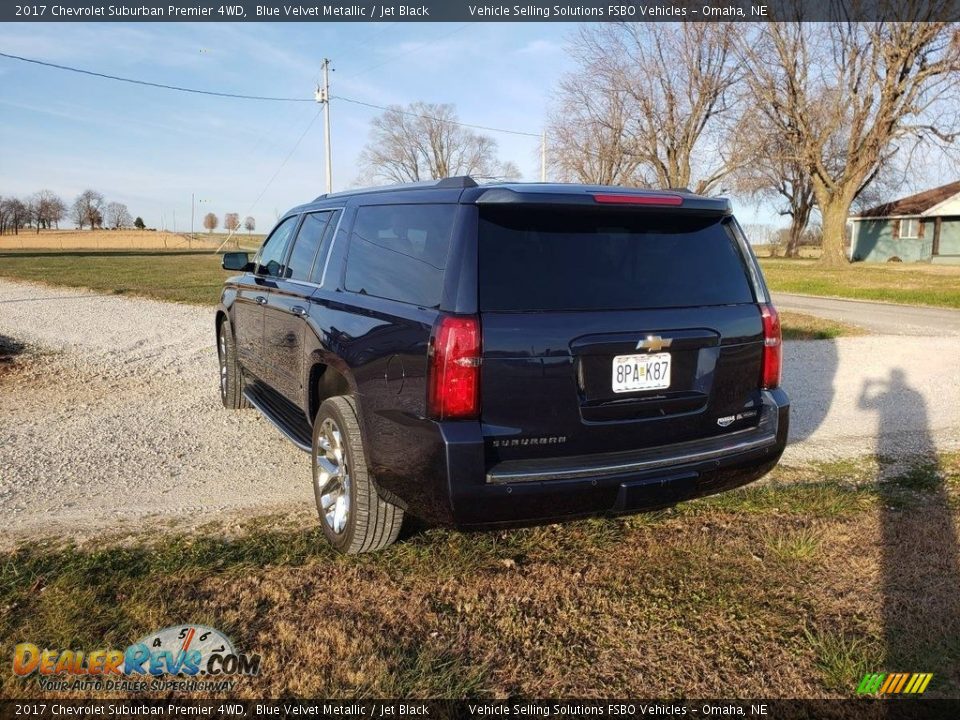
458 181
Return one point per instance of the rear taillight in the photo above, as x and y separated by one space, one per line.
454 390
772 348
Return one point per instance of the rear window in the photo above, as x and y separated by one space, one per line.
560 259
399 252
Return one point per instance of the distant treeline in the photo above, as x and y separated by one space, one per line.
45 209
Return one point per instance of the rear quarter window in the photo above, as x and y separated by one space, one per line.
534 259
399 252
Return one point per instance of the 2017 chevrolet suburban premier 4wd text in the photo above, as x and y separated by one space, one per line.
498 355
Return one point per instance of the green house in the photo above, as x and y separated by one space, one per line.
920 228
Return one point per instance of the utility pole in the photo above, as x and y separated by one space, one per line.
192 202
323 97
543 156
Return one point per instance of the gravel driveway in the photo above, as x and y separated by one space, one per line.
114 419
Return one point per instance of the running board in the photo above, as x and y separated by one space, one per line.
282 414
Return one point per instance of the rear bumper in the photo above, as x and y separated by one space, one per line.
533 492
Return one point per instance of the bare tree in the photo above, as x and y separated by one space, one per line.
866 90
88 209
664 94
423 141
210 222
50 209
771 172
9 215
231 221
587 134
249 224
16 215
118 215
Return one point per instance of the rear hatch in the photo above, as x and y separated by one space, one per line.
614 328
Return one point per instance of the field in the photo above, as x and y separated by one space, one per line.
910 283
122 240
795 588
766 251
175 276
196 277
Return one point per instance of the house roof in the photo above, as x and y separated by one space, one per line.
914 204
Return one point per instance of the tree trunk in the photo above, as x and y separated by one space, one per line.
834 214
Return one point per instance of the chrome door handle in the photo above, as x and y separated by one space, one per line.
299 310
261 300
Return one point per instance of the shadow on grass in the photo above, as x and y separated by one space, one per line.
920 563
9 350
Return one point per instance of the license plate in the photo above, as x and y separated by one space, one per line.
641 372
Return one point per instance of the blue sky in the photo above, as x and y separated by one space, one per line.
152 148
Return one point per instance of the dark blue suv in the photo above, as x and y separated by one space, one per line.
497 355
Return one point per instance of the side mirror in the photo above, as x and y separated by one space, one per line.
239 261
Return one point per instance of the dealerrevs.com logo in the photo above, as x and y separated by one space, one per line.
182 657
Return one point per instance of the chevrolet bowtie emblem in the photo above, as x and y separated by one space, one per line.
654 343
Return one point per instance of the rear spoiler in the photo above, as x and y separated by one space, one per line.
600 198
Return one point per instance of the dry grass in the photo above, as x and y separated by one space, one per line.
101 240
786 589
800 326
122 240
806 252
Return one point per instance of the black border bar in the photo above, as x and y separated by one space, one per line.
174 709
476 10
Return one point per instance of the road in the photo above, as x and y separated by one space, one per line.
880 318
113 417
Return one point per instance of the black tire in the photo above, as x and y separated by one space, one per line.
230 374
367 523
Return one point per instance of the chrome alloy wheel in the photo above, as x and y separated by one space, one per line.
223 362
332 477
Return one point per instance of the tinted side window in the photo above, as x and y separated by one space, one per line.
274 248
323 256
399 252
300 264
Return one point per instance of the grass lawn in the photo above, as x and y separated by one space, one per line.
190 277
795 588
196 277
800 326
913 284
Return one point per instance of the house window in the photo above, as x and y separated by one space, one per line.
910 228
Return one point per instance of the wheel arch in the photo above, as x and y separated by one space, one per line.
326 380
218 321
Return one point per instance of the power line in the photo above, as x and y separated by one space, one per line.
430 117
274 176
133 81
213 93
